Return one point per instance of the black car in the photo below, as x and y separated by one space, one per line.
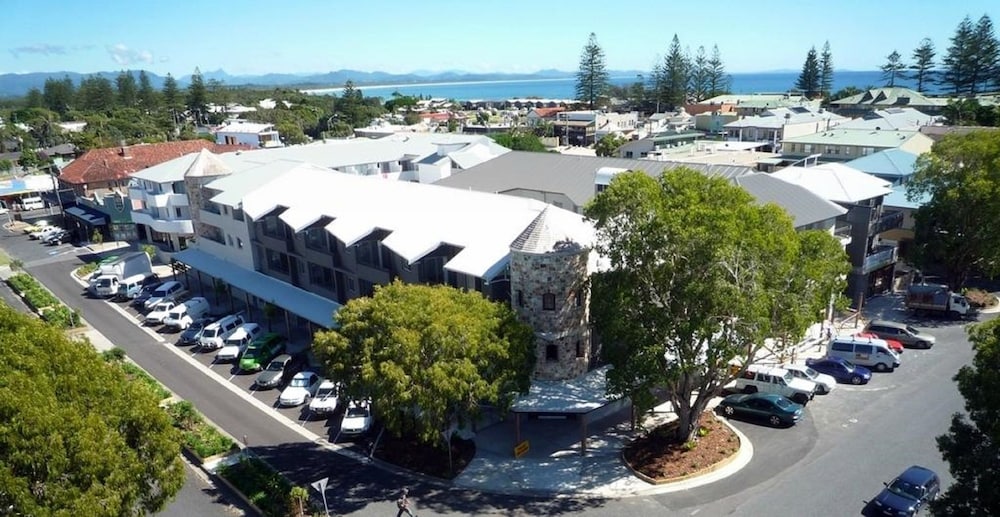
193 332
906 495
58 238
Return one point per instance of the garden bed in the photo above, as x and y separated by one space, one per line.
262 486
201 438
661 458
407 452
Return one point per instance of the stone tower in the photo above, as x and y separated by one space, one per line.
549 291
206 168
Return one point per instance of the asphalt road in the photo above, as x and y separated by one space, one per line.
850 442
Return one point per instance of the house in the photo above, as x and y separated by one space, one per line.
902 119
750 104
251 134
572 181
841 145
714 122
775 125
938 132
664 140
586 127
99 173
873 260
888 97
699 108
539 116
895 166
308 239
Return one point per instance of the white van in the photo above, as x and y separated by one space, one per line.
871 352
184 314
214 335
238 341
104 286
32 203
129 288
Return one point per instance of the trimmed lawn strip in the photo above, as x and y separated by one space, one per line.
262 485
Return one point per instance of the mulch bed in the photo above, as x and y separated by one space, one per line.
660 457
432 460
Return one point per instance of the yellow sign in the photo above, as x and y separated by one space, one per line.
521 449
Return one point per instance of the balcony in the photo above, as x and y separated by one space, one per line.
176 226
882 256
843 234
888 221
170 200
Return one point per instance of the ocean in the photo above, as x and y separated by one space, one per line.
772 82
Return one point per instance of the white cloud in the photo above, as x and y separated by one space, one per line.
40 48
125 56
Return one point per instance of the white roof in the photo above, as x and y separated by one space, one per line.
242 127
836 182
419 217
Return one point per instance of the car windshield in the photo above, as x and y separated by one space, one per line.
300 382
209 333
782 403
276 366
788 377
812 374
356 412
849 365
198 325
175 315
162 307
908 490
326 392
912 330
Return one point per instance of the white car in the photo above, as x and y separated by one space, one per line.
357 418
160 312
300 390
771 379
325 401
170 290
824 383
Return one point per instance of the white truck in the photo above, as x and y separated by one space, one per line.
105 281
938 299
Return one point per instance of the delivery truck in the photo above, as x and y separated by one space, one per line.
938 300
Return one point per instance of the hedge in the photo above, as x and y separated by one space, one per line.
264 487
200 437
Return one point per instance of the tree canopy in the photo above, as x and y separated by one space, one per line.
701 275
592 77
826 71
608 144
922 66
428 356
955 228
78 438
810 79
970 64
972 445
893 68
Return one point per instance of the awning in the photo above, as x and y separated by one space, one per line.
87 215
310 306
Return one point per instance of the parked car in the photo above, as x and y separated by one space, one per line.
160 312
894 345
901 332
768 407
214 335
278 371
841 369
32 228
869 352
44 232
57 238
262 350
325 401
169 290
182 315
191 334
906 495
301 389
139 300
357 418
771 379
824 383
237 342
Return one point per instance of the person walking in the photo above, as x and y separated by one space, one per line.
403 503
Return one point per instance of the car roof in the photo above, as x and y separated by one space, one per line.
265 337
302 375
327 384
168 284
917 475
284 358
886 323
767 368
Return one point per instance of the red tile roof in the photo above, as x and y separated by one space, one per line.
548 112
117 163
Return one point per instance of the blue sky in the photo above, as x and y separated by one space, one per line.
252 37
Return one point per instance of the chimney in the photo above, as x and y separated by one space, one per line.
123 151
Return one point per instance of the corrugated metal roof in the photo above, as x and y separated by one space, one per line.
836 182
805 207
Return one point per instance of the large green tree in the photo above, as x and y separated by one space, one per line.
147 94
923 64
78 438
128 90
809 81
701 275
893 68
675 72
698 79
971 61
718 79
428 356
96 94
955 229
171 92
826 71
592 77
197 96
59 94
608 145
972 445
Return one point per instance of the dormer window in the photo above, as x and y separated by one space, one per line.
548 302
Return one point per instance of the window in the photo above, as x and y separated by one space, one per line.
842 347
579 297
520 298
239 243
273 227
177 212
321 276
316 239
367 254
277 261
807 148
548 302
238 214
365 288
579 348
551 352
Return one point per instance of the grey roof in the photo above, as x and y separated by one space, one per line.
805 207
567 174
539 237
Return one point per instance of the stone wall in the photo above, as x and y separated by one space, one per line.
562 333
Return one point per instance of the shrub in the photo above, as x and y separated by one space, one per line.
264 487
150 250
140 375
86 270
200 437
62 317
114 355
979 298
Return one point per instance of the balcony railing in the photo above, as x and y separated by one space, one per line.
881 257
843 234
888 221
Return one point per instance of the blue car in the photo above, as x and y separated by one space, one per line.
768 407
843 370
906 495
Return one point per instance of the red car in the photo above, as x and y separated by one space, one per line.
896 346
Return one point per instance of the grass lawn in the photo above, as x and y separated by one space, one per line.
4 258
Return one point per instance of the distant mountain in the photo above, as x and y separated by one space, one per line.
12 85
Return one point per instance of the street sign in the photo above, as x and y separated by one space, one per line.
521 449
320 485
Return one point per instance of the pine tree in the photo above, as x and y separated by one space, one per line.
197 96
657 81
961 59
923 64
147 95
809 80
592 78
987 52
127 89
718 79
826 71
171 93
699 78
675 71
893 68
59 95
